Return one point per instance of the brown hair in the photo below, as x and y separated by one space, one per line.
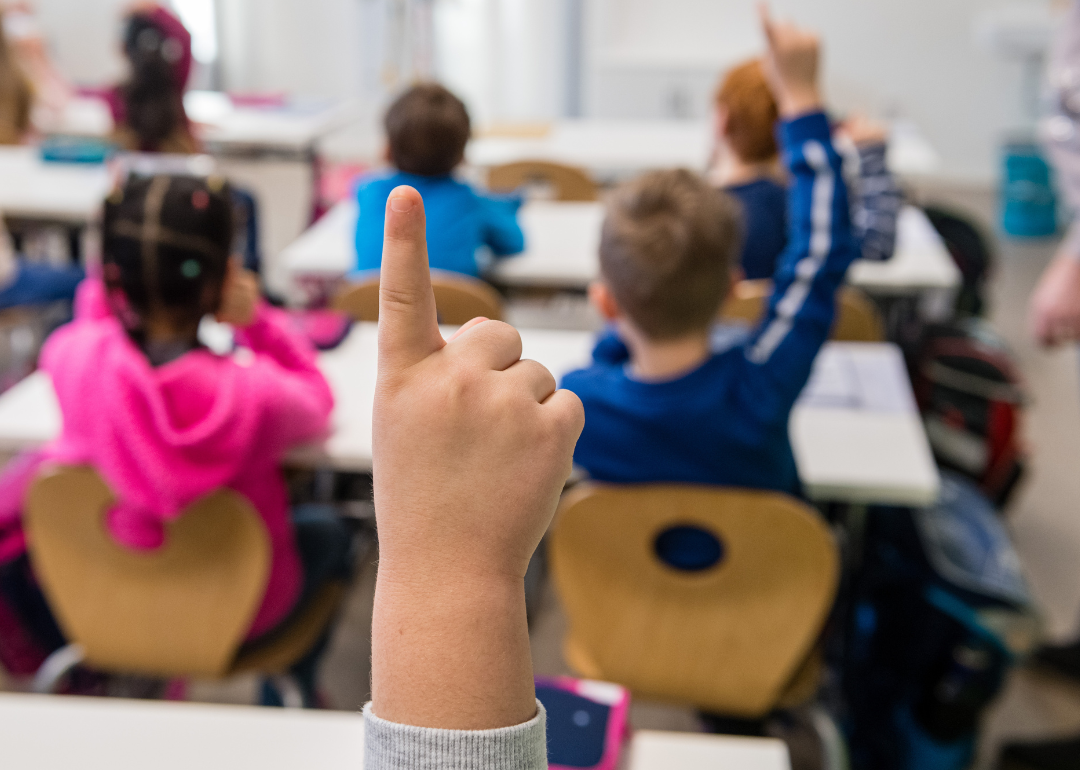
16 95
751 112
428 128
668 243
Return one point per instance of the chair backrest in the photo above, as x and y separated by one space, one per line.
180 610
728 638
857 320
568 182
458 299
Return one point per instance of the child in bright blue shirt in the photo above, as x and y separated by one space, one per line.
427 129
665 406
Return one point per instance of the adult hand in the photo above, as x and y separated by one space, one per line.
791 65
471 447
239 296
1054 313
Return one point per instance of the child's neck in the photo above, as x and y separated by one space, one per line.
660 360
730 170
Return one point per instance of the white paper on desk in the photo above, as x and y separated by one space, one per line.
859 377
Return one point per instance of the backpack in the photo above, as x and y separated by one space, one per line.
970 250
971 397
940 614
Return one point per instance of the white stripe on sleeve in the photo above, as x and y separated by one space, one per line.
807 268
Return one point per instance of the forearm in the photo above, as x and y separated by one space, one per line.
450 652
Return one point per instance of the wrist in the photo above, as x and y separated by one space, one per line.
799 101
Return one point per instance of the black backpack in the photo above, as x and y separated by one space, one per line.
969 246
971 398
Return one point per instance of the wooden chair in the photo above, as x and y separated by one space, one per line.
567 182
734 639
857 320
458 299
181 610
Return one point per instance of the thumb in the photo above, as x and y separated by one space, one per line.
408 326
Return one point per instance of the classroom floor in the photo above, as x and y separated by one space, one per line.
1043 518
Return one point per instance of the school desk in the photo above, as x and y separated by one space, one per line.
561 252
614 148
43 732
70 193
856 435
294 126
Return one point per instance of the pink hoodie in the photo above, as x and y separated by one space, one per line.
163 437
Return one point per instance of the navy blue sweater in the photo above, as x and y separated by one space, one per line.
876 205
726 422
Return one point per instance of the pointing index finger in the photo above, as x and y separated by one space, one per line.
408 325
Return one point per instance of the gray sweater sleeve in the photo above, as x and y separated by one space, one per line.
392 746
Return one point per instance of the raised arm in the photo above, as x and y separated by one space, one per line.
471 449
877 197
820 247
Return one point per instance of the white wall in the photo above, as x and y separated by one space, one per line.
916 59
646 58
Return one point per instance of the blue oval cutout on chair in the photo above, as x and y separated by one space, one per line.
688 548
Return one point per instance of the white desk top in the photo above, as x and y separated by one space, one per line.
42 732
66 191
562 243
295 126
855 432
616 148
652 750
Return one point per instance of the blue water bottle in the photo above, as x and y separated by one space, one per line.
1028 203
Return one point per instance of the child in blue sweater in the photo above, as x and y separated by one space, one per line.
427 129
748 166
665 406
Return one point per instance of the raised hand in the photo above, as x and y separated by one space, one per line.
239 296
471 447
791 65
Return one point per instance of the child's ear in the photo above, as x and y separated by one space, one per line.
738 275
720 121
604 301
386 154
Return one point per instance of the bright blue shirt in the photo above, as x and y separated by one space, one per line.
459 221
726 422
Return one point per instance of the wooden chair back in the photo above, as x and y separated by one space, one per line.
728 639
458 299
857 319
180 610
568 182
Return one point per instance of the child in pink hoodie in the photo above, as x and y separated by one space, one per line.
166 421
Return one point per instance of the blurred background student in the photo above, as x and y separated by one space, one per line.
148 107
427 128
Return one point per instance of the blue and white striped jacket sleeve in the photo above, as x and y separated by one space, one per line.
779 355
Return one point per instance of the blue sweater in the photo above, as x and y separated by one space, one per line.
876 205
726 422
764 203
459 221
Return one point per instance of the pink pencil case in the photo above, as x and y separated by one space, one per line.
586 722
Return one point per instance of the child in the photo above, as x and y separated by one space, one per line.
747 165
148 110
427 129
669 408
164 420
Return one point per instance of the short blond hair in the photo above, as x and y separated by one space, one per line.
668 242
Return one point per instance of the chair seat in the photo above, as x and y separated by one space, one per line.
292 641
